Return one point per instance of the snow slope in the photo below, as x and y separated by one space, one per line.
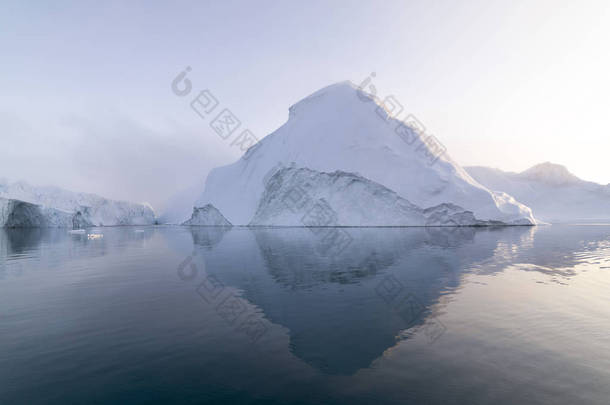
553 193
334 129
304 197
97 210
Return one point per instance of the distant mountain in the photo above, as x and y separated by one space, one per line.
553 193
24 205
340 128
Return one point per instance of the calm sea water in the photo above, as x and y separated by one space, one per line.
164 315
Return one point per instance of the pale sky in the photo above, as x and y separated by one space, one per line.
86 102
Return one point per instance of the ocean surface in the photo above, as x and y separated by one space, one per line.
178 315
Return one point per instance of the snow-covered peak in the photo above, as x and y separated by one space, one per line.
550 173
334 96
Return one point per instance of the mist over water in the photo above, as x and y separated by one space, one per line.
406 315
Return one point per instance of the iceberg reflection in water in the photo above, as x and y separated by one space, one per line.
402 315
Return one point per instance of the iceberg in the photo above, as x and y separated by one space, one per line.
52 206
338 132
21 214
553 193
207 216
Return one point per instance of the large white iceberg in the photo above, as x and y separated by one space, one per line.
340 128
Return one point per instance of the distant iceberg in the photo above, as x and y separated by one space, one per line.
553 193
23 205
207 216
21 214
